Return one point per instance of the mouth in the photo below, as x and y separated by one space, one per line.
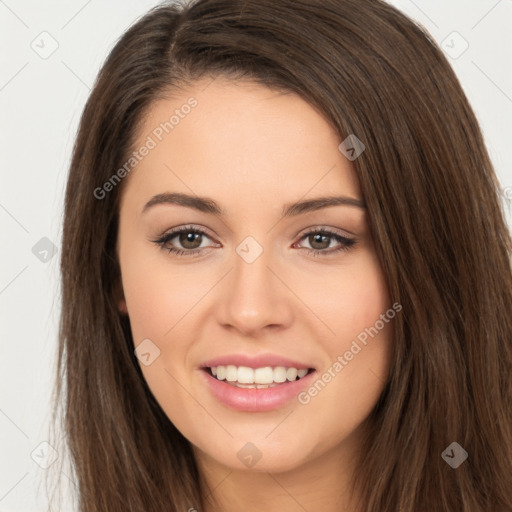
258 382
257 378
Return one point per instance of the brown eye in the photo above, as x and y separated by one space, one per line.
190 239
319 241
186 241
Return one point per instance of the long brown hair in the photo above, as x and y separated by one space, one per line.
435 214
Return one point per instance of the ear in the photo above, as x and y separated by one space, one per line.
119 297
121 305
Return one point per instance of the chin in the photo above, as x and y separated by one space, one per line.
258 456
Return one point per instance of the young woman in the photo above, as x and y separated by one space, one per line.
286 279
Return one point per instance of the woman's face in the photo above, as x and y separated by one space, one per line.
258 289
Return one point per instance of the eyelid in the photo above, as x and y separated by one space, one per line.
186 227
319 227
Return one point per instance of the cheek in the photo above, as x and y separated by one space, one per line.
346 300
355 308
162 299
158 296
367 333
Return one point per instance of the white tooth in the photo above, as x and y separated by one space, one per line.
291 373
231 373
221 372
264 375
279 374
245 375
262 386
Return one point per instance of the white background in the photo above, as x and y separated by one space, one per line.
41 101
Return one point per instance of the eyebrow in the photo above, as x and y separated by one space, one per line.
207 205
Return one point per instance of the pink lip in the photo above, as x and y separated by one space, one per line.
256 400
255 362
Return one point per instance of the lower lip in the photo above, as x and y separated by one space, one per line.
253 399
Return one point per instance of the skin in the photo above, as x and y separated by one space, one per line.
253 150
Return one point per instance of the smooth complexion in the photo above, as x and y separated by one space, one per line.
253 151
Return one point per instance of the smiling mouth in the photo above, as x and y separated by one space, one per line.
257 378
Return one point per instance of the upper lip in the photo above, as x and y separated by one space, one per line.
259 361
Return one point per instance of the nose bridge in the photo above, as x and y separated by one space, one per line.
254 297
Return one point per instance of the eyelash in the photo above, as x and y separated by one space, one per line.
346 243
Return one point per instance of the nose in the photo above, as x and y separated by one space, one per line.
253 298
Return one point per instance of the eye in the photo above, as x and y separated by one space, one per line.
191 240
320 239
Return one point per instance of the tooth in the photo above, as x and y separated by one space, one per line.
264 375
221 372
279 374
231 373
291 373
245 375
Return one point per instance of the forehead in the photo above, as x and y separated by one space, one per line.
239 140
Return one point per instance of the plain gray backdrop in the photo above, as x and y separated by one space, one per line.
51 53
